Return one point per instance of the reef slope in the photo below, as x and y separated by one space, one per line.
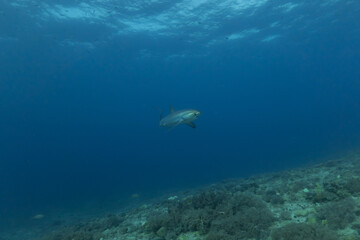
319 202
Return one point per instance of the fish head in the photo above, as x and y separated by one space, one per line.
192 115
197 114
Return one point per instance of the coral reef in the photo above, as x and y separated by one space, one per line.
319 202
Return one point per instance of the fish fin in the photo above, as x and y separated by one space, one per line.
171 109
190 124
177 123
173 126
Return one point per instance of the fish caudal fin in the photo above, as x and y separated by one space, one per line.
161 112
171 109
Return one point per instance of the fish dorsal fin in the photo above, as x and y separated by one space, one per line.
171 109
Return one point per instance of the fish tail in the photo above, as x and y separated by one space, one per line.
161 112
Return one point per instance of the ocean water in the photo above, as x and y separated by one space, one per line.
277 83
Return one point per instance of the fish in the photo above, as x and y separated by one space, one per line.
186 116
135 195
38 216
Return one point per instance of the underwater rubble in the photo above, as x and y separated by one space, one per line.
318 202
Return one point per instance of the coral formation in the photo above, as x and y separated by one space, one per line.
302 231
338 214
215 212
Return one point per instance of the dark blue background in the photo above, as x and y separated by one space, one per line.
79 126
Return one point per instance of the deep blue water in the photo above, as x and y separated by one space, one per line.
277 83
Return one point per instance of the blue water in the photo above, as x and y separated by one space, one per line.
277 83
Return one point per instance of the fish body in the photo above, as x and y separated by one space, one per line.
186 116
